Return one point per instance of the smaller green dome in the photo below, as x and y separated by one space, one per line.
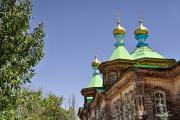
96 80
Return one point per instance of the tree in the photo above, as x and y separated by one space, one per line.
72 112
33 106
20 51
30 104
53 109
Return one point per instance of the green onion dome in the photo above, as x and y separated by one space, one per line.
141 29
119 29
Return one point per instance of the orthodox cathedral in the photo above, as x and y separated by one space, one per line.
142 85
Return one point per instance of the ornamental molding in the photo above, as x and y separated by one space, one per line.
165 73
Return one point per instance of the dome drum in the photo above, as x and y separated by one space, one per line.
141 36
120 40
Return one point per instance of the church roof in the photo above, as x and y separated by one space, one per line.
120 53
96 81
145 52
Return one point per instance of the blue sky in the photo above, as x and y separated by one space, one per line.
77 30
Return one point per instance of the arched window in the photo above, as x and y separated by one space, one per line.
112 77
160 105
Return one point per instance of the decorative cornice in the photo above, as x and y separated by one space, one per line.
108 64
105 66
88 92
168 72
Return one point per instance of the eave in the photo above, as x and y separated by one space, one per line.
125 63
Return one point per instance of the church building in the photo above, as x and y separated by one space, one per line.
141 85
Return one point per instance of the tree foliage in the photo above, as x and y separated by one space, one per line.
20 51
33 106
21 48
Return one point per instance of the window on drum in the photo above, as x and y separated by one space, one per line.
112 77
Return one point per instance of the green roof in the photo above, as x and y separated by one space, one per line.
146 66
120 53
145 52
89 99
96 81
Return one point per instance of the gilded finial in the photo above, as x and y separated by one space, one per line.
118 18
119 29
96 62
140 20
141 29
